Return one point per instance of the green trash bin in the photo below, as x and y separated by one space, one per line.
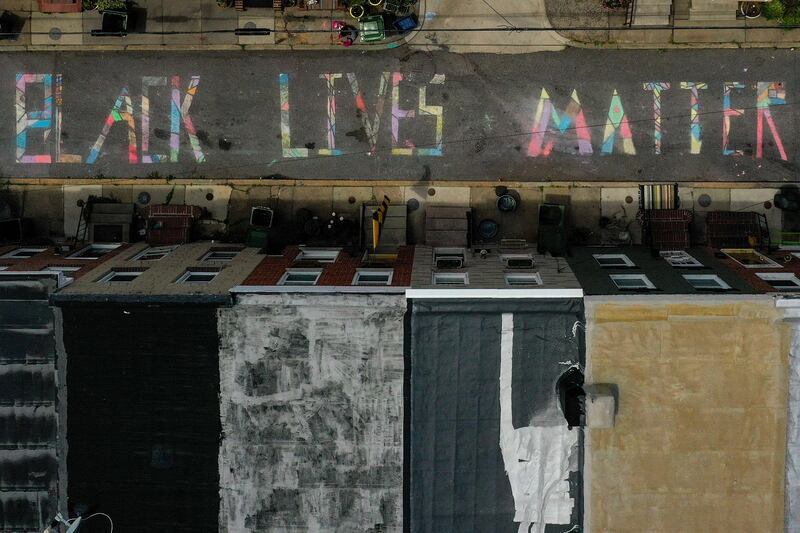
371 29
256 238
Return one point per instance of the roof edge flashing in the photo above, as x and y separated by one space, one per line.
32 275
503 294
317 289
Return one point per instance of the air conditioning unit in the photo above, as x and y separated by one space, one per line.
261 217
552 234
517 261
449 258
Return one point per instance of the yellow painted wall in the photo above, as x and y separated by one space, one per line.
700 436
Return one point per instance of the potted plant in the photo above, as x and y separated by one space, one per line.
89 5
357 9
111 5
225 3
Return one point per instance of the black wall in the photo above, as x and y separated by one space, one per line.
143 424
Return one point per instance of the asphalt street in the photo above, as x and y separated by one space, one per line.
398 114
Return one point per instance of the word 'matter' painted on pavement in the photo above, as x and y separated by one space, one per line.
39 119
543 136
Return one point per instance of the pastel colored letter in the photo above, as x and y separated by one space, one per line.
769 93
180 113
696 129
657 88
371 126
571 118
331 126
617 124
147 82
397 115
28 120
727 114
435 111
286 131
58 96
121 112
407 147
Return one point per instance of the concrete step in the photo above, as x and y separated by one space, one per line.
652 12
713 10
681 9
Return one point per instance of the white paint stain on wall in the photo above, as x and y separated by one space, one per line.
537 459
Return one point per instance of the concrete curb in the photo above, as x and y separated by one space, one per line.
677 46
287 182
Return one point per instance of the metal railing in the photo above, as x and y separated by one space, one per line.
629 11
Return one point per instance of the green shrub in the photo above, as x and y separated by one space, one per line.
774 10
103 5
791 19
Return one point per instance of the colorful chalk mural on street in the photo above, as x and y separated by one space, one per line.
617 124
371 127
415 126
571 118
29 120
769 94
696 131
727 114
657 88
122 110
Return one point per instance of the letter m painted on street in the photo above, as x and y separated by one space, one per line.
571 118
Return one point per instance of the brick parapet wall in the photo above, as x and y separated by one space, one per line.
337 274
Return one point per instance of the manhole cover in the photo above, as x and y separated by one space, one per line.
704 200
413 204
55 33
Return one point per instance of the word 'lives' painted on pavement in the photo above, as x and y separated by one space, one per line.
49 120
569 126
400 146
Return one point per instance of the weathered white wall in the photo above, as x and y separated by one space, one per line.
312 413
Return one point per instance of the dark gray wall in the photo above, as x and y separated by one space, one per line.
458 476
28 462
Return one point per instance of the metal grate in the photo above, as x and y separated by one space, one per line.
666 229
737 229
